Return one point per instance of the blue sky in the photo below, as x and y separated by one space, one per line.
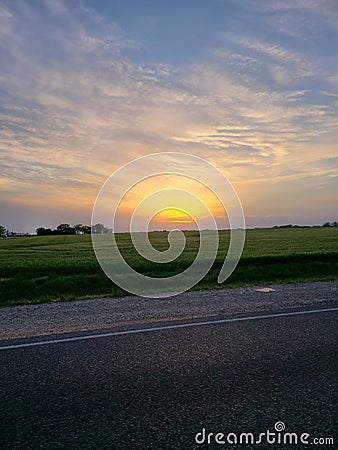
87 86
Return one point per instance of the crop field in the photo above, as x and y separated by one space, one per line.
55 268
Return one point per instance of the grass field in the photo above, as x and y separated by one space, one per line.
53 268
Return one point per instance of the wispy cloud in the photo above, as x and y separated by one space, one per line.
75 104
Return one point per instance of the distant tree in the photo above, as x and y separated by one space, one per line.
286 226
99 229
3 231
65 228
334 224
82 229
79 228
41 231
326 224
86 229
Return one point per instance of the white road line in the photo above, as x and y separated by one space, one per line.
168 327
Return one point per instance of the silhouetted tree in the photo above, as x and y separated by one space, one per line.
79 228
65 228
86 229
41 231
99 228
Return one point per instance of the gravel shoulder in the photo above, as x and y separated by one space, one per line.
101 313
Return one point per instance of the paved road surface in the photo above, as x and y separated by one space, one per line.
157 389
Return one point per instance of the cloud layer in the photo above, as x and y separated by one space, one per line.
79 97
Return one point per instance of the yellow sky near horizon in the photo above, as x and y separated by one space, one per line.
159 197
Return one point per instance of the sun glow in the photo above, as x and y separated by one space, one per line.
173 209
173 215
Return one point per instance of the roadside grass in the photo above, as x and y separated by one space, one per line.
55 268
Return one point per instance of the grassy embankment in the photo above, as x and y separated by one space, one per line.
41 269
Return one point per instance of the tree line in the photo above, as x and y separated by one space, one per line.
98 228
65 228
62 229
290 225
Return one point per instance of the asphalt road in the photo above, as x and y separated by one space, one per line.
158 389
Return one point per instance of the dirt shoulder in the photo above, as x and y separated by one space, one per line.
102 313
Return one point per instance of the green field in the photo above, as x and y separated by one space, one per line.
53 268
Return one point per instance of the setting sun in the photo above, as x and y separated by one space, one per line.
169 201
173 216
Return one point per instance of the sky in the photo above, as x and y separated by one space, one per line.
87 86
